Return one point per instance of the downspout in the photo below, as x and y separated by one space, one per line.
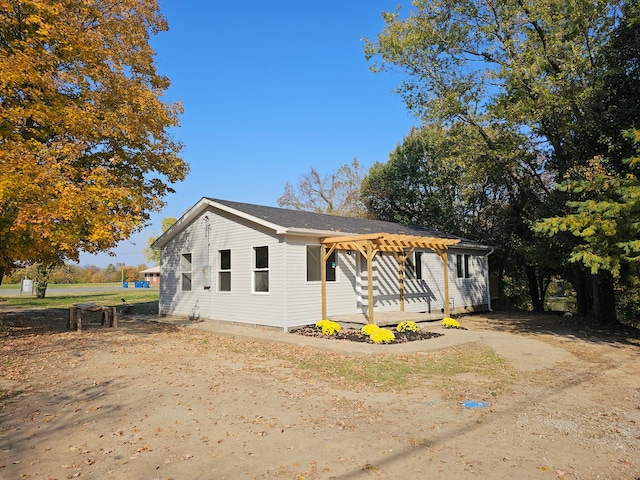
488 281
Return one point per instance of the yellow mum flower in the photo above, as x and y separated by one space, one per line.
369 328
382 335
450 323
407 327
328 327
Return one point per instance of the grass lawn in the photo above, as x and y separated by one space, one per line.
59 296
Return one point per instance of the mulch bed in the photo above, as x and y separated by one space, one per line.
355 335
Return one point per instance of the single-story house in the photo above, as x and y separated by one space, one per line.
284 268
152 275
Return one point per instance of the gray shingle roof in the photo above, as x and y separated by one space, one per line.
297 219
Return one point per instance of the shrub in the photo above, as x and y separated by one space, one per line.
382 335
328 327
450 323
407 327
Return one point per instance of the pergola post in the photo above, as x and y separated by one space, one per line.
370 254
323 281
443 256
401 280
323 276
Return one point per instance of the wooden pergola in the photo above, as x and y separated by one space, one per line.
402 246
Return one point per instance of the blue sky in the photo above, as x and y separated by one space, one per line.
269 89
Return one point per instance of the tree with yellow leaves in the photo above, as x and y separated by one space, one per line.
85 148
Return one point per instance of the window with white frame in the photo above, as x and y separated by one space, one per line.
260 269
418 265
224 270
413 265
314 264
185 271
462 266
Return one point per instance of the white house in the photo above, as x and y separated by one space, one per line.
253 264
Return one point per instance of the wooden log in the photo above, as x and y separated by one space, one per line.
72 322
79 319
114 317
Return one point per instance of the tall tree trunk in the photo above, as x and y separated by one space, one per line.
537 300
42 278
582 286
41 288
604 300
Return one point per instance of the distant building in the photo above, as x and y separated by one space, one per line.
152 275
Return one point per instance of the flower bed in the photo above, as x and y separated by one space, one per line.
356 335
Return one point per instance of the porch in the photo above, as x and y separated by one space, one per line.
385 319
402 247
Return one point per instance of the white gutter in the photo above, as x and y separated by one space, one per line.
488 281
285 298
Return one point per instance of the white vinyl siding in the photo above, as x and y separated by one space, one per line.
292 299
470 289
241 305
173 300
423 289
304 299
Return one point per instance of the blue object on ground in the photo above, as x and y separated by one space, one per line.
125 284
473 404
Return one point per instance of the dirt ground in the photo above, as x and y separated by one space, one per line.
152 400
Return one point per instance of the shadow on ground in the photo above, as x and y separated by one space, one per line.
20 321
551 323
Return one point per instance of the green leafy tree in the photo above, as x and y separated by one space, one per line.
85 145
420 184
444 179
526 66
518 68
612 107
604 214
